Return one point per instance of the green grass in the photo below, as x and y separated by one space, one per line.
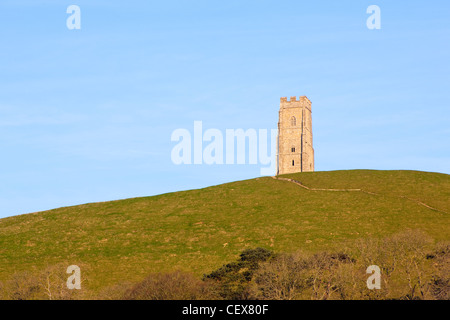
199 230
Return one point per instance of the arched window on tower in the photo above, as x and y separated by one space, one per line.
293 121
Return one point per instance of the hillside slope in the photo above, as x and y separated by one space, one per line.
199 230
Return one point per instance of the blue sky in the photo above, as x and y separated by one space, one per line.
87 115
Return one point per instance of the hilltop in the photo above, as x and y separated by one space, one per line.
199 230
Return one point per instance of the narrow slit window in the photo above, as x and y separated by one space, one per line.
293 121
292 162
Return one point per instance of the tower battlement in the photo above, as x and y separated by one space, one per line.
284 102
295 147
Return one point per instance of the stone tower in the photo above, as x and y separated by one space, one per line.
295 146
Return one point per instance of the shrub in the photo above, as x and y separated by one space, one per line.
299 276
440 283
46 284
170 286
407 272
231 280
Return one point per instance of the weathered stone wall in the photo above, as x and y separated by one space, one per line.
295 145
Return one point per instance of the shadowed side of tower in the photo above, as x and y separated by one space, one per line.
295 151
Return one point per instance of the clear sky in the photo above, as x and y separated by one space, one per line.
87 115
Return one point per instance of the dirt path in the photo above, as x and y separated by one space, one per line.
353 190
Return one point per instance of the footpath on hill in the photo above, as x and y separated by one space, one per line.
353 190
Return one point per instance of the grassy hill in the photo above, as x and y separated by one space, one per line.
199 230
